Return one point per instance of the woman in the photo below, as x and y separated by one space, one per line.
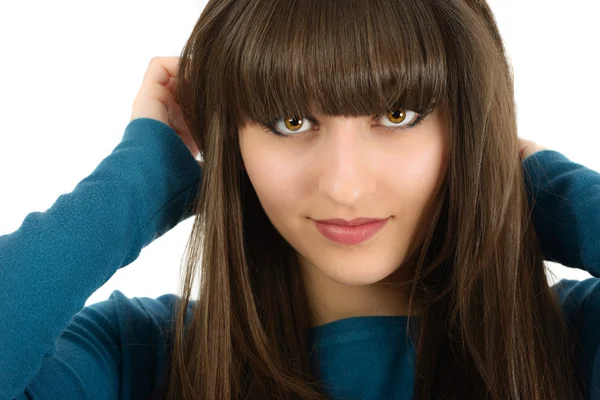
305 112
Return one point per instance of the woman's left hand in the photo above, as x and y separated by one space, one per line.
527 148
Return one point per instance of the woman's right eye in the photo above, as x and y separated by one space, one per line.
292 124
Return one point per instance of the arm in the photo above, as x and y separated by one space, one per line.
58 258
566 218
566 209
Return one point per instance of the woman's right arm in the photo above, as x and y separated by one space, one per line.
57 259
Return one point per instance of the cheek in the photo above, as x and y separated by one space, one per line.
275 180
417 174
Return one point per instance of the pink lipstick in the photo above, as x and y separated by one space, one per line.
350 232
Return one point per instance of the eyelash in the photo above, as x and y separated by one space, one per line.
270 125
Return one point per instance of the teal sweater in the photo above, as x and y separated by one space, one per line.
52 347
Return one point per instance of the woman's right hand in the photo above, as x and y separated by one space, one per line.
155 99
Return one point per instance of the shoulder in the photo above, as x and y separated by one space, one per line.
115 346
133 314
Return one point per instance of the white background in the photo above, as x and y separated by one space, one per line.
70 70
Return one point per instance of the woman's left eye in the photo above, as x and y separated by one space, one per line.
294 124
399 116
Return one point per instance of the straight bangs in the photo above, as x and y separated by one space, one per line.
345 58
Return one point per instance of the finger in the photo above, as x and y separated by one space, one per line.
171 85
161 69
170 64
154 86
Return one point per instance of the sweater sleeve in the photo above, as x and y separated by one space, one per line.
113 349
566 209
56 259
566 218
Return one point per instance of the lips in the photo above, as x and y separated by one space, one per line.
354 222
352 232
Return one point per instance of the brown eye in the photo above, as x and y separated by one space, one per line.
400 116
293 123
396 116
289 126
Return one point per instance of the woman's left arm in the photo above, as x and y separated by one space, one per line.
566 208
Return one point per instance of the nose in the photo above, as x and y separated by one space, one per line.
345 174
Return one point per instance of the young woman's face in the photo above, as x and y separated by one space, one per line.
349 168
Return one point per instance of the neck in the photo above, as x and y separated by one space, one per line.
332 301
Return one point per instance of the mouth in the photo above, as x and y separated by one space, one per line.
350 235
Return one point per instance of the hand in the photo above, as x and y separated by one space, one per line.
155 99
527 148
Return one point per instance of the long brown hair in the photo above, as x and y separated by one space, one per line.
491 328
